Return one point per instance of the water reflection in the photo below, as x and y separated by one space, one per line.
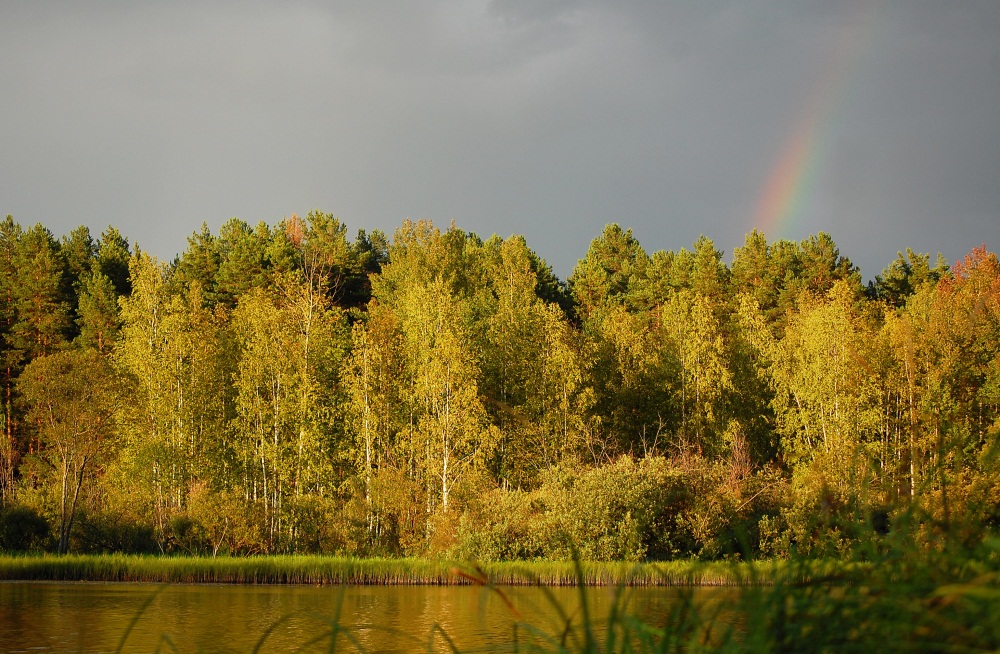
91 617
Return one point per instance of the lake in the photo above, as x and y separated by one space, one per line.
94 617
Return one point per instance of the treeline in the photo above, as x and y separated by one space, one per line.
284 388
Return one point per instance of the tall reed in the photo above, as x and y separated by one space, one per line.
317 570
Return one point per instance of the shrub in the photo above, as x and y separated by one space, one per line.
22 530
105 532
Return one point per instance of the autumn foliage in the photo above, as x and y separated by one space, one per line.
288 390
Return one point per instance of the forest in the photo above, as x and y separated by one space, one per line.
284 388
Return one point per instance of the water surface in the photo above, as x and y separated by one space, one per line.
95 617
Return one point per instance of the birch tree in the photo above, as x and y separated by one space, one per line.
287 343
826 403
374 390
71 398
451 424
696 339
169 349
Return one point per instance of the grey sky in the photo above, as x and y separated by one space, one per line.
543 117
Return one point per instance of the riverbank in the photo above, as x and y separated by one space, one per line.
327 570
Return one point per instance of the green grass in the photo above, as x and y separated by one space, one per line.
318 570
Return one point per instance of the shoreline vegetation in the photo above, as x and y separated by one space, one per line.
331 570
281 394
944 599
436 396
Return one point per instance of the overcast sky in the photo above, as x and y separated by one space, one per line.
548 118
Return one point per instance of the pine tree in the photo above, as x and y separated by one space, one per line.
43 310
10 236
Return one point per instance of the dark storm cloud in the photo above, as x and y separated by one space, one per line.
548 118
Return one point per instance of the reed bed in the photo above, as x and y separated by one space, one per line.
326 570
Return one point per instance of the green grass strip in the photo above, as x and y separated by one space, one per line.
328 570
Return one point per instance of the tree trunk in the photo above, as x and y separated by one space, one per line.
67 520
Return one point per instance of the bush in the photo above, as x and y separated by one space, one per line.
501 528
321 525
653 509
625 510
23 530
106 532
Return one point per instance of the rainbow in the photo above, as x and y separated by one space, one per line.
787 189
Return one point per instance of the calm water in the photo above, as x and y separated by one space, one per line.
91 617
